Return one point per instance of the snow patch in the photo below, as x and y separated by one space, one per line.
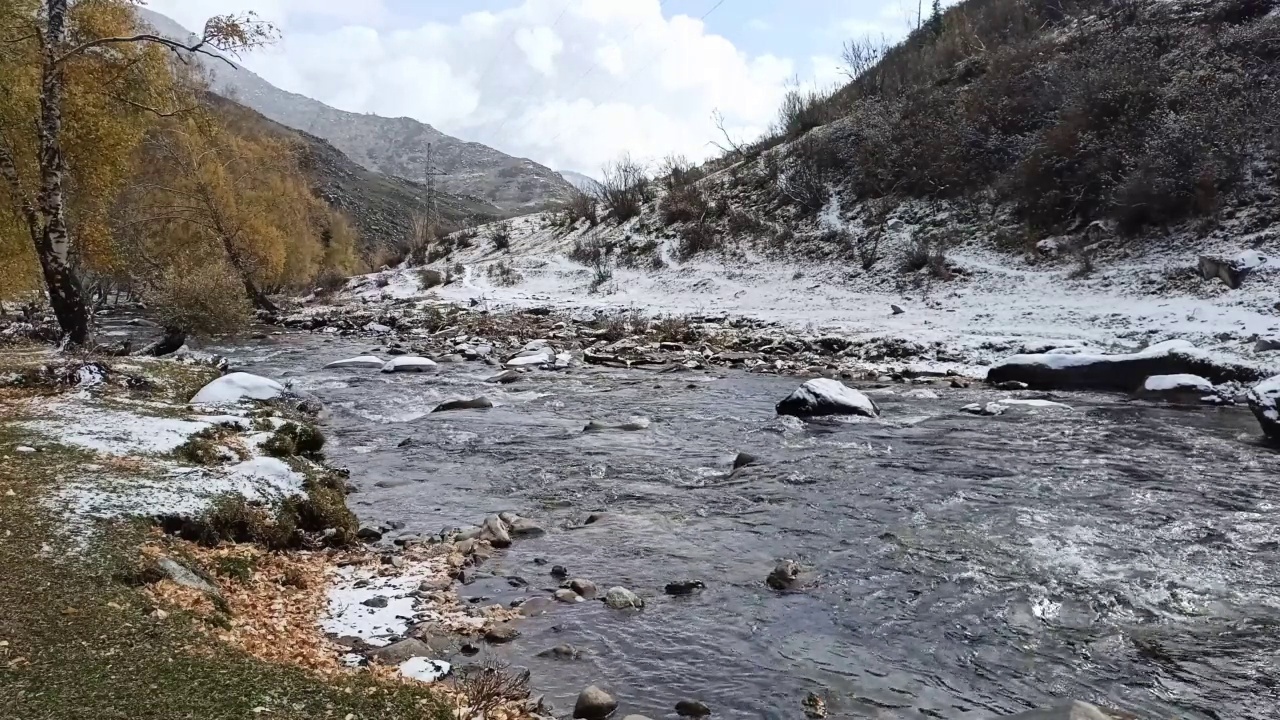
409 363
348 616
424 669
364 362
1177 383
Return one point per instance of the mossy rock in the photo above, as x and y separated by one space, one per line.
292 439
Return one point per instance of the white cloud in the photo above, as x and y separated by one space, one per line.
572 88
759 24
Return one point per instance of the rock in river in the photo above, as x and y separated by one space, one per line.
398 652
786 575
1175 387
685 587
1121 373
594 704
477 403
409 363
1264 400
692 708
1071 711
827 397
585 588
620 598
501 633
364 362
495 531
743 460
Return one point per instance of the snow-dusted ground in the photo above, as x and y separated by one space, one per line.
1001 305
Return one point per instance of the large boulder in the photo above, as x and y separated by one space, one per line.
476 403
1232 271
1119 373
594 704
1264 400
827 397
237 387
620 598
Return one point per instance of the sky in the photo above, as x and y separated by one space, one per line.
572 84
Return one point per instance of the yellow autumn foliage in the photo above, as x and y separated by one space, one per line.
105 120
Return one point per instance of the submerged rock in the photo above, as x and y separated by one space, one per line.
495 531
1122 373
1264 401
743 460
561 652
594 704
630 426
827 397
501 633
505 377
1076 710
692 708
585 588
477 403
990 409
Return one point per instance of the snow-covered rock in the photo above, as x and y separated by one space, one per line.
990 409
827 397
1232 271
236 388
409 363
1264 400
1175 386
364 362
1122 373
530 358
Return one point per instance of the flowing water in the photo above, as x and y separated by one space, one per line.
965 567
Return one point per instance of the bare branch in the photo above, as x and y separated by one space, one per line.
222 34
153 111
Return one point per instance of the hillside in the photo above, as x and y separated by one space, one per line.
1011 176
392 146
381 206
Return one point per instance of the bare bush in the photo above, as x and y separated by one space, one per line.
489 686
500 236
625 188
803 110
684 203
676 171
580 206
927 254
502 273
698 238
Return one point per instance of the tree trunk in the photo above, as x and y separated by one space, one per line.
260 299
174 338
53 243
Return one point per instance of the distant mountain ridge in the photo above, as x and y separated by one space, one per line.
394 146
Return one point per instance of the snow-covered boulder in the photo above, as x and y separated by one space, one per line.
1175 387
236 388
1264 400
827 397
1232 271
364 362
529 358
1122 373
409 363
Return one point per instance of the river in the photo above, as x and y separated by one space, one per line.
965 567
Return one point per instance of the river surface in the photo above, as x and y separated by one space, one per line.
966 567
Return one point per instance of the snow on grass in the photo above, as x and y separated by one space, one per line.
84 425
171 490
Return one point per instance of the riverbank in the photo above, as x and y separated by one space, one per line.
107 615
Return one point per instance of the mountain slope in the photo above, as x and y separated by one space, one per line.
381 206
394 146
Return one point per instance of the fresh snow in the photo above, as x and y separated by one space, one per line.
540 357
236 388
1059 361
424 669
409 363
348 616
1183 382
364 362
1264 398
823 396
114 432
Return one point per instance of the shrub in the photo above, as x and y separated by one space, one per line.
678 172
802 111
204 300
431 277
580 206
500 236
330 281
501 273
684 203
489 685
625 189
698 238
292 439
927 254
202 448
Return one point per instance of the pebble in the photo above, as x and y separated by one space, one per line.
375 602
594 704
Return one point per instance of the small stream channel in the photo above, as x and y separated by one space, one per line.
1119 552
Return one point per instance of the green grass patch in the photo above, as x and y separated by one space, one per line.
80 641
